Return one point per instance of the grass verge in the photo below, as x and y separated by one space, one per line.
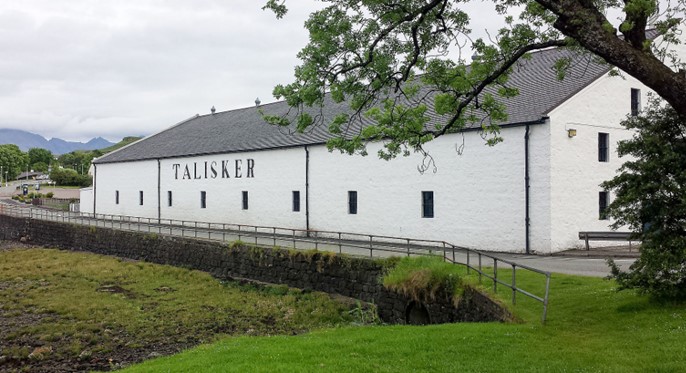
591 328
67 310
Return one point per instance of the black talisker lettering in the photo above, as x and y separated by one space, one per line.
205 169
186 173
251 167
176 167
238 174
225 171
195 171
213 169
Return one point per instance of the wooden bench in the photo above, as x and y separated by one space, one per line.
605 236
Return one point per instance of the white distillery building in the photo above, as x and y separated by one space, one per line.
533 192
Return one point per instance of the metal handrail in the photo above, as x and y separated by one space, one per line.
364 242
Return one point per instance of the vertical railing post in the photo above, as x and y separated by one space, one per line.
294 238
514 284
340 244
495 275
480 270
371 246
274 235
467 260
408 247
545 298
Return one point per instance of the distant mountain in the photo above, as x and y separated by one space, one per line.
26 140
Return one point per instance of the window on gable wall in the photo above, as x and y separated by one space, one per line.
140 198
116 197
203 199
169 198
603 201
603 147
635 101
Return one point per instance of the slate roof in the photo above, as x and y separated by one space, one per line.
245 130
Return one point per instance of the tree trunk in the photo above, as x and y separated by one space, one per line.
581 20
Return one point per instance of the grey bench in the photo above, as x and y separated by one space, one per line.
605 236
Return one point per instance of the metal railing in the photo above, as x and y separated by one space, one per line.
341 242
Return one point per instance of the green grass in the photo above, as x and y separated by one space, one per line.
591 328
421 278
76 302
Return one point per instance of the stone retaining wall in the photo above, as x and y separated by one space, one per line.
352 277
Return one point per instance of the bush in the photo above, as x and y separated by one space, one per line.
650 198
50 195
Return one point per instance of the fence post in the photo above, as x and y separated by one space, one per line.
255 235
495 275
545 299
514 284
274 231
371 248
480 270
467 259
340 247
408 247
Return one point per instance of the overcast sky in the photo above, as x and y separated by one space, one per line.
77 69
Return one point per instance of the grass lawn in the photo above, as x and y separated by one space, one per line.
591 328
64 310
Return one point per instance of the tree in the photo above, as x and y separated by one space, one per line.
13 160
69 177
41 157
369 53
650 198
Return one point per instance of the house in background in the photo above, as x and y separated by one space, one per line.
533 192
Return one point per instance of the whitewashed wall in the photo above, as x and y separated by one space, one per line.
576 171
86 200
129 178
478 196
277 173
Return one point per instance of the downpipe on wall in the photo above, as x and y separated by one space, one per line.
307 190
526 189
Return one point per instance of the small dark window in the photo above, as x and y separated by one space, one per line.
169 198
140 198
635 101
116 197
603 147
296 200
603 201
427 204
203 199
352 202
245 200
